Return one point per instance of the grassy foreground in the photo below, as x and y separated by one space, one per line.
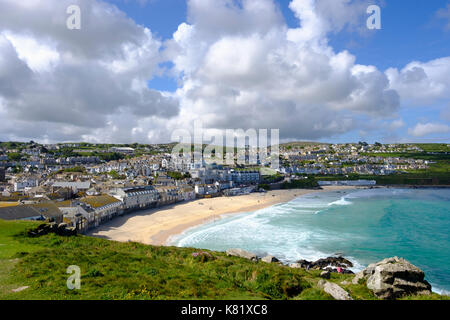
113 270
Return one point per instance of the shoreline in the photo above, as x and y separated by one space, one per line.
158 226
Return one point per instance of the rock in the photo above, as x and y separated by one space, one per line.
61 229
62 225
20 289
71 231
334 290
325 274
242 254
346 271
304 264
393 278
333 262
327 264
358 276
295 265
270 259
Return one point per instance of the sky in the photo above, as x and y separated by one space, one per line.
142 70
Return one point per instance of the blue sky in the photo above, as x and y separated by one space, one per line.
411 31
231 64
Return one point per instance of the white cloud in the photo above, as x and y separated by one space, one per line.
237 75
38 56
421 83
424 129
237 62
69 84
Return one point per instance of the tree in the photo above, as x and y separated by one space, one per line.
14 156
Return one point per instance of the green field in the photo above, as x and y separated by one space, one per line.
437 174
113 270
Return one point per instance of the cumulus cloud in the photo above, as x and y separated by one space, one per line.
237 63
72 82
421 83
424 129
264 75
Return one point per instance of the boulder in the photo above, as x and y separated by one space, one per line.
340 262
20 289
270 259
393 278
327 264
334 290
304 264
325 274
71 231
242 254
295 265
358 276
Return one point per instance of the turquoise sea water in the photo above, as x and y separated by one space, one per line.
362 225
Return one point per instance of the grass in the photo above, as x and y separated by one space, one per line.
113 270
434 147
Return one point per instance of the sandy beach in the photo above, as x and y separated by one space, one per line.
156 226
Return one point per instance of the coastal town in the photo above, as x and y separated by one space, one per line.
84 185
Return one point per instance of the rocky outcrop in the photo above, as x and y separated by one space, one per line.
329 264
392 278
61 229
270 259
242 254
334 290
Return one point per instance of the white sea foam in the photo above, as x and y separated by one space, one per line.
293 231
340 202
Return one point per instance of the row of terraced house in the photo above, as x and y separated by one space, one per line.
91 211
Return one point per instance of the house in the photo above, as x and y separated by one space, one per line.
348 183
124 150
239 191
245 177
41 211
75 186
168 195
163 180
136 197
80 217
105 206
188 193
206 190
25 183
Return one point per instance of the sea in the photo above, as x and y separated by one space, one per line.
363 225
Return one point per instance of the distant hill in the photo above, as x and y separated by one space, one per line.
302 144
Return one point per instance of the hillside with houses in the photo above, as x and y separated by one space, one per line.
85 185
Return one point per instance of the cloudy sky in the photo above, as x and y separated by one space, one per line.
139 69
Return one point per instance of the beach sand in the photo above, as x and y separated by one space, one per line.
156 226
